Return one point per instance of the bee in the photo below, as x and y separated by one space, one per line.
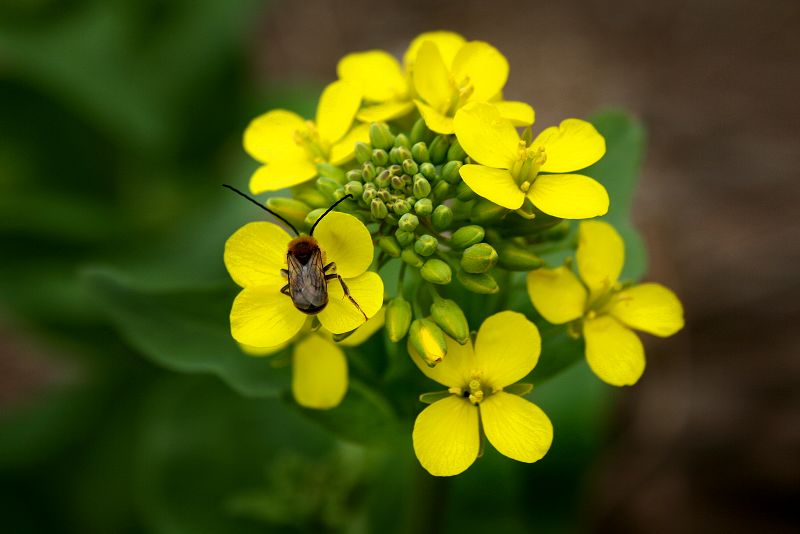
306 273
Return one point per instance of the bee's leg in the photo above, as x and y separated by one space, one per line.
331 265
285 290
285 273
346 292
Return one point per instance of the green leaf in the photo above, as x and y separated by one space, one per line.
185 330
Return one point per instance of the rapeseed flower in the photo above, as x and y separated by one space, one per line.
604 310
447 434
291 147
381 80
507 169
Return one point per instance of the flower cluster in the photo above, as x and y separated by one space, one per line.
439 194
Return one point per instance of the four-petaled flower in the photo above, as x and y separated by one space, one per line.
447 434
607 310
262 316
509 170
290 147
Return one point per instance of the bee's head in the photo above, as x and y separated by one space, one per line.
303 247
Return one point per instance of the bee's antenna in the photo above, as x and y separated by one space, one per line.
348 195
263 207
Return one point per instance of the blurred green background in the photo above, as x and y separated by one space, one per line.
118 122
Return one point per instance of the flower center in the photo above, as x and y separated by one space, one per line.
462 92
309 139
474 391
526 168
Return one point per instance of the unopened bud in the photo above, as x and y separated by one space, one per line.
380 136
426 245
420 132
401 207
328 186
313 215
437 149
331 171
450 172
482 283
478 258
363 152
423 207
368 195
395 170
380 157
401 139
428 170
397 318
408 222
466 236
428 340
455 152
441 190
517 258
397 182
383 179
390 246
404 237
464 193
420 152
368 171
290 209
422 187
450 318
354 188
485 211
442 217
412 258
378 209
410 166
436 271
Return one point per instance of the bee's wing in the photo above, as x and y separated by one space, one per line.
307 282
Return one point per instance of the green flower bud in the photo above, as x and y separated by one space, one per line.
482 283
380 136
442 217
391 219
437 149
339 194
378 209
420 152
290 209
327 186
412 258
380 157
403 153
309 194
455 152
478 258
428 340
395 170
354 188
404 237
485 211
394 156
313 215
384 195
368 195
466 236
397 318
397 182
408 222
436 271
353 175
450 172
389 245
383 179
368 171
402 140
410 166
451 319
423 207
441 190
363 152
401 207
428 170
420 132
422 187
464 193
426 245
516 258
331 171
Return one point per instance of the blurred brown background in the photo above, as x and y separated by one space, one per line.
710 438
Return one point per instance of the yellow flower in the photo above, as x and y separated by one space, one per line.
508 170
262 316
290 147
607 310
319 366
447 434
447 72
382 82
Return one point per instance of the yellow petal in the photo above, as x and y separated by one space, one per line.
436 121
496 185
261 351
517 428
600 255
507 348
448 44
346 241
386 111
569 196
614 352
377 74
651 308
573 145
519 113
281 174
431 77
341 315
483 66
270 137
255 254
455 369
446 438
319 373
336 110
488 138
264 317
343 151
366 330
557 294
